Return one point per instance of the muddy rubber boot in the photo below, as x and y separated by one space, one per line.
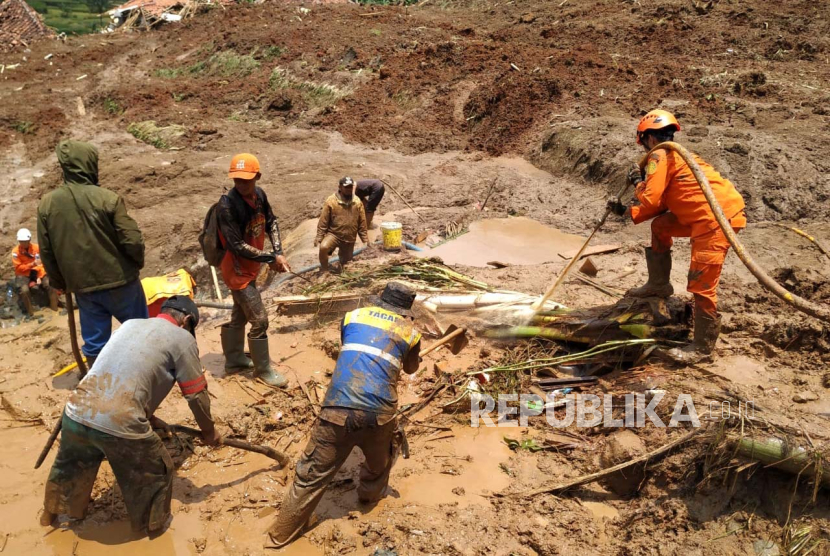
659 274
233 347
27 302
369 217
53 300
262 363
46 518
706 332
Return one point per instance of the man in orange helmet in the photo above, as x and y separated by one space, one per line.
668 192
245 219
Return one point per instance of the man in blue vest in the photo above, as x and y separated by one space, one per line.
359 409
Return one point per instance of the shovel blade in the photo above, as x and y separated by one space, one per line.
459 342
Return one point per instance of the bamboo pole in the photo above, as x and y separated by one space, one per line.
804 234
404 200
575 258
216 283
778 453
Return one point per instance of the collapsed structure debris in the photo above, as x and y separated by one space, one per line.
147 14
20 25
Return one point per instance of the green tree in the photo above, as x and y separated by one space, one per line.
98 7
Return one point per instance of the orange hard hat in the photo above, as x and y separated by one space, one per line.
244 166
656 119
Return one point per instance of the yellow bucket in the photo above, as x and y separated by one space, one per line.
392 233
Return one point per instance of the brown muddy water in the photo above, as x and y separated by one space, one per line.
513 241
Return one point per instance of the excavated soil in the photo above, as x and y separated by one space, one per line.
528 105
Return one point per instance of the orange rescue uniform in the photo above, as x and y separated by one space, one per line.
27 261
671 193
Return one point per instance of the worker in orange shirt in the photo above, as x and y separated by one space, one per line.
28 270
668 192
245 219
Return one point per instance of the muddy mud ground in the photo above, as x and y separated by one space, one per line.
534 101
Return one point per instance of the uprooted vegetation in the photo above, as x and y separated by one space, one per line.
316 95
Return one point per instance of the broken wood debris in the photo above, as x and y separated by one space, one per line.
596 250
593 477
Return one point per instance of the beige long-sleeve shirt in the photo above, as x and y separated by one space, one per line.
344 220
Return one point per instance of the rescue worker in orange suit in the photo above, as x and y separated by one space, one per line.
669 194
29 271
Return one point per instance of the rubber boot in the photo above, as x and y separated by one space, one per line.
27 302
706 332
53 300
262 363
659 274
233 347
369 217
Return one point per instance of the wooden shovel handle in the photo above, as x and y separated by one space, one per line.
272 453
451 336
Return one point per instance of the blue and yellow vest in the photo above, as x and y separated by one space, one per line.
375 343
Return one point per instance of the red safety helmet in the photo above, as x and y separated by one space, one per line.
656 119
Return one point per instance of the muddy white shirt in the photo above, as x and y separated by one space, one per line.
134 373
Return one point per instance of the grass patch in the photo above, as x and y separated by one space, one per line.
315 94
112 107
74 17
273 52
375 32
227 63
159 137
23 127
405 99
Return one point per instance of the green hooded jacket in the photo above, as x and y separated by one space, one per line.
87 240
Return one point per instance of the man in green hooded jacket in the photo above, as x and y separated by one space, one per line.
91 247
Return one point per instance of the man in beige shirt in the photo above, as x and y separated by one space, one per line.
342 220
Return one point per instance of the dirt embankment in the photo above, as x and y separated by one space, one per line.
746 79
445 101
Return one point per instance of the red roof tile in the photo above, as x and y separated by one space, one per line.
19 24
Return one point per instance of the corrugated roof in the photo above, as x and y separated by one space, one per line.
19 24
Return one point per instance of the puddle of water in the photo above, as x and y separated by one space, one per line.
483 445
600 510
516 241
102 539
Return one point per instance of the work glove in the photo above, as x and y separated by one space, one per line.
635 174
615 205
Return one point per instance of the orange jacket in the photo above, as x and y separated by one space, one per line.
27 261
671 186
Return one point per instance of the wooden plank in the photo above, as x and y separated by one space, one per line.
595 250
301 305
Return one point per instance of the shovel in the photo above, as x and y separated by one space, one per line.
454 336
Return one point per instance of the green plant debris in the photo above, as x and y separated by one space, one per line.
112 107
431 274
273 51
227 63
549 362
152 134
527 444
23 127
315 94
